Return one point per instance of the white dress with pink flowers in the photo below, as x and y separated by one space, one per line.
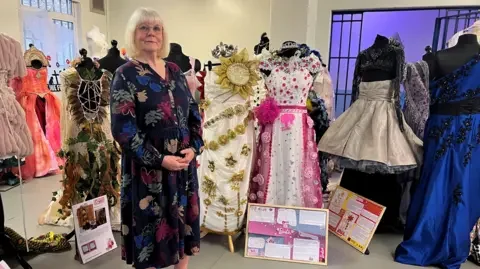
286 169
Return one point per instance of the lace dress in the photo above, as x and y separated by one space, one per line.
371 135
286 168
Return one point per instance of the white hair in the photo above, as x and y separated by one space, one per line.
138 17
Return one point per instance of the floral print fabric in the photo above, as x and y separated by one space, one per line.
153 117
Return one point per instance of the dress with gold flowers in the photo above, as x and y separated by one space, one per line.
229 138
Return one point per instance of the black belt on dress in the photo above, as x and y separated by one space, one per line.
463 107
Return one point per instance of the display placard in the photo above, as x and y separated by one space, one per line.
92 228
354 218
284 233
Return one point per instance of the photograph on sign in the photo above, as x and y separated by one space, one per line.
291 234
354 218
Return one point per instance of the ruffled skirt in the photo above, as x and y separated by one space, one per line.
367 136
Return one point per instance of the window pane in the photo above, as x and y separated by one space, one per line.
64 6
49 5
42 4
56 5
34 3
26 2
69 7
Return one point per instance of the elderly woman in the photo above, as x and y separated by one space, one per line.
157 123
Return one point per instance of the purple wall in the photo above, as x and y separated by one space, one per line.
414 27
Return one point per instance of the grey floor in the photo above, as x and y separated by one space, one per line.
214 252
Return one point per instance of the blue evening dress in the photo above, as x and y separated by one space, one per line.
446 205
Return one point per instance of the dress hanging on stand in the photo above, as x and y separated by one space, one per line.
92 162
15 137
286 170
228 133
42 111
371 139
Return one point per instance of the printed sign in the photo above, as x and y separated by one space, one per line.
92 228
4 265
291 234
354 218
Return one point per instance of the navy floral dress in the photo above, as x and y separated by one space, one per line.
151 118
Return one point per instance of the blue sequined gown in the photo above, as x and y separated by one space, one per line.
446 204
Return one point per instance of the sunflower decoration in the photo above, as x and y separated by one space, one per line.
238 74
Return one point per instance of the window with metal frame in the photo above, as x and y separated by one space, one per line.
345 43
60 6
450 22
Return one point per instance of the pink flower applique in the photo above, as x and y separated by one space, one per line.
287 121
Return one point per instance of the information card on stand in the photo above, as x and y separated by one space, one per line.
354 218
92 228
289 234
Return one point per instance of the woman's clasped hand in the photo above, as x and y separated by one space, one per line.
175 163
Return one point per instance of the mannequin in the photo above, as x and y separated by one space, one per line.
264 44
446 61
444 206
42 111
372 154
287 50
377 74
183 61
113 60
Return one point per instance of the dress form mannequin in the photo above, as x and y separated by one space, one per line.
381 188
183 61
113 60
378 74
446 61
288 50
264 44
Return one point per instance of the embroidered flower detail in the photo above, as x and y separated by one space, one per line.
260 194
266 153
313 155
266 137
308 172
207 202
230 161
252 197
310 144
211 166
245 150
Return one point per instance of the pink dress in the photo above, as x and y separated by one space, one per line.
286 170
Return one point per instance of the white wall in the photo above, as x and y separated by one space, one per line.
9 18
200 25
325 8
88 20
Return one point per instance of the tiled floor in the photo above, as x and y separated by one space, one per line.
214 254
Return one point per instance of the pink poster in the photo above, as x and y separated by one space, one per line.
287 233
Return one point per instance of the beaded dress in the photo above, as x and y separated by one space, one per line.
286 168
229 137
444 207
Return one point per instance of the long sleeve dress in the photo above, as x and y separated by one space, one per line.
153 117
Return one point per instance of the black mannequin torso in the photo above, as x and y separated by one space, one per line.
446 61
374 74
113 60
264 44
183 61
